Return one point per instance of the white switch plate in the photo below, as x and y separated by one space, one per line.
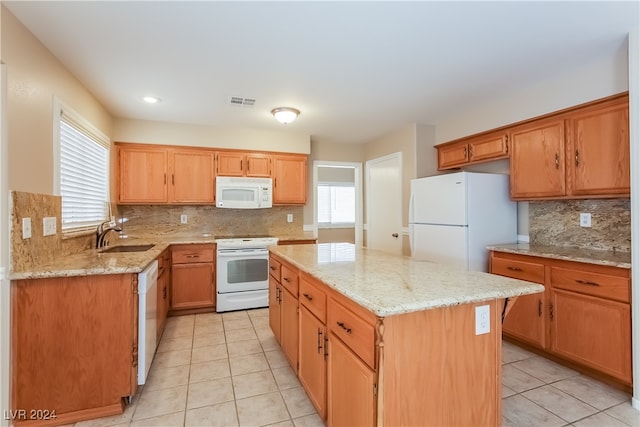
289 217
183 219
49 225
483 317
26 228
585 219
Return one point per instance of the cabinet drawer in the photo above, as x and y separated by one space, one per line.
289 279
356 333
186 254
590 283
274 268
530 271
313 297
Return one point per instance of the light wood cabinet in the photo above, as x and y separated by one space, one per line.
74 346
289 327
475 149
275 317
164 281
192 277
584 317
232 163
192 176
537 160
289 179
142 174
283 307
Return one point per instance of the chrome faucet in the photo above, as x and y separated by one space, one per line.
101 232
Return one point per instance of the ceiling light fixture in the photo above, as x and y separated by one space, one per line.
285 114
151 99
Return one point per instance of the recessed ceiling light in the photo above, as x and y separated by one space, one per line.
151 99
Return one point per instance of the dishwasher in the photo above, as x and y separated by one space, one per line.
147 318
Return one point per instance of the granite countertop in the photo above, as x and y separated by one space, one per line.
93 261
389 284
610 258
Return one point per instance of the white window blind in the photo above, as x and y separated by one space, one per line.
84 175
336 204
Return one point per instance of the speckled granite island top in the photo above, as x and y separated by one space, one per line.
389 284
614 259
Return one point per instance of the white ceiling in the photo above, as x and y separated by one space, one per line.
356 70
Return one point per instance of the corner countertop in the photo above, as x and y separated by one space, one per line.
94 262
610 258
389 284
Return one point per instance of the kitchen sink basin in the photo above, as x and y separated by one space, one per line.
128 248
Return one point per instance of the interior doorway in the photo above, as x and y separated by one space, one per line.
337 201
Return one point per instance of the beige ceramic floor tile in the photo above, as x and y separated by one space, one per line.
207 353
263 331
517 380
161 402
235 315
209 393
312 420
282 424
297 402
206 329
253 384
258 312
545 370
207 371
506 391
232 325
240 335
276 359
600 420
269 343
167 377
174 344
219 415
261 410
113 420
560 403
625 413
593 392
169 359
169 420
209 339
174 321
519 412
177 330
204 318
260 322
246 364
512 353
285 378
242 348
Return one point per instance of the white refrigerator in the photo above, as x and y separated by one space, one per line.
453 217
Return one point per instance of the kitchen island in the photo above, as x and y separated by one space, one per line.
387 340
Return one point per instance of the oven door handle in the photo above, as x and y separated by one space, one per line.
235 253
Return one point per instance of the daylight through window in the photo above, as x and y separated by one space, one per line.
336 204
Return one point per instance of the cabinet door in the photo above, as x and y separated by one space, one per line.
274 307
258 165
350 388
593 332
525 320
488 147
313 368
142 174
289 180
230 163
453 156
599 140
192 286
289 327
537 161
192 176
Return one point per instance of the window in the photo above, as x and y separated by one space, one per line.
83 173
336 204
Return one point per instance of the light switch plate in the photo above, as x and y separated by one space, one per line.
483 323
183 219
26 228
49 225
585 219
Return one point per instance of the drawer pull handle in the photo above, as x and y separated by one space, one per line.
320 343
341 324
307 296
193 256
286 279
587 282
514 268
272 267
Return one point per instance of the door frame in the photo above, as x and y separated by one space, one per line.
5 305
397 155
357 182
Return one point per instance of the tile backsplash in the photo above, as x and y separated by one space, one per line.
557 222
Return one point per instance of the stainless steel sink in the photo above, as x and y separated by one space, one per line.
128 248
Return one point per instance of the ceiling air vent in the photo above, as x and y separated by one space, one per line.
242 102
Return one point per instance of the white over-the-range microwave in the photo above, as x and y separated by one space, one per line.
243 193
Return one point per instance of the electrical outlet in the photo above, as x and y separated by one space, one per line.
26 228
483 317
183 219
289 217
49 225
585 219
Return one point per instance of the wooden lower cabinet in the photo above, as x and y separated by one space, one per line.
164 282
283 307
275 308
312 369
74 346
289 327
351 388
192 277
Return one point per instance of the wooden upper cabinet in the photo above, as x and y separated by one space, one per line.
289 179
232 163
192 176
474 149
598 149
537 160
142 174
